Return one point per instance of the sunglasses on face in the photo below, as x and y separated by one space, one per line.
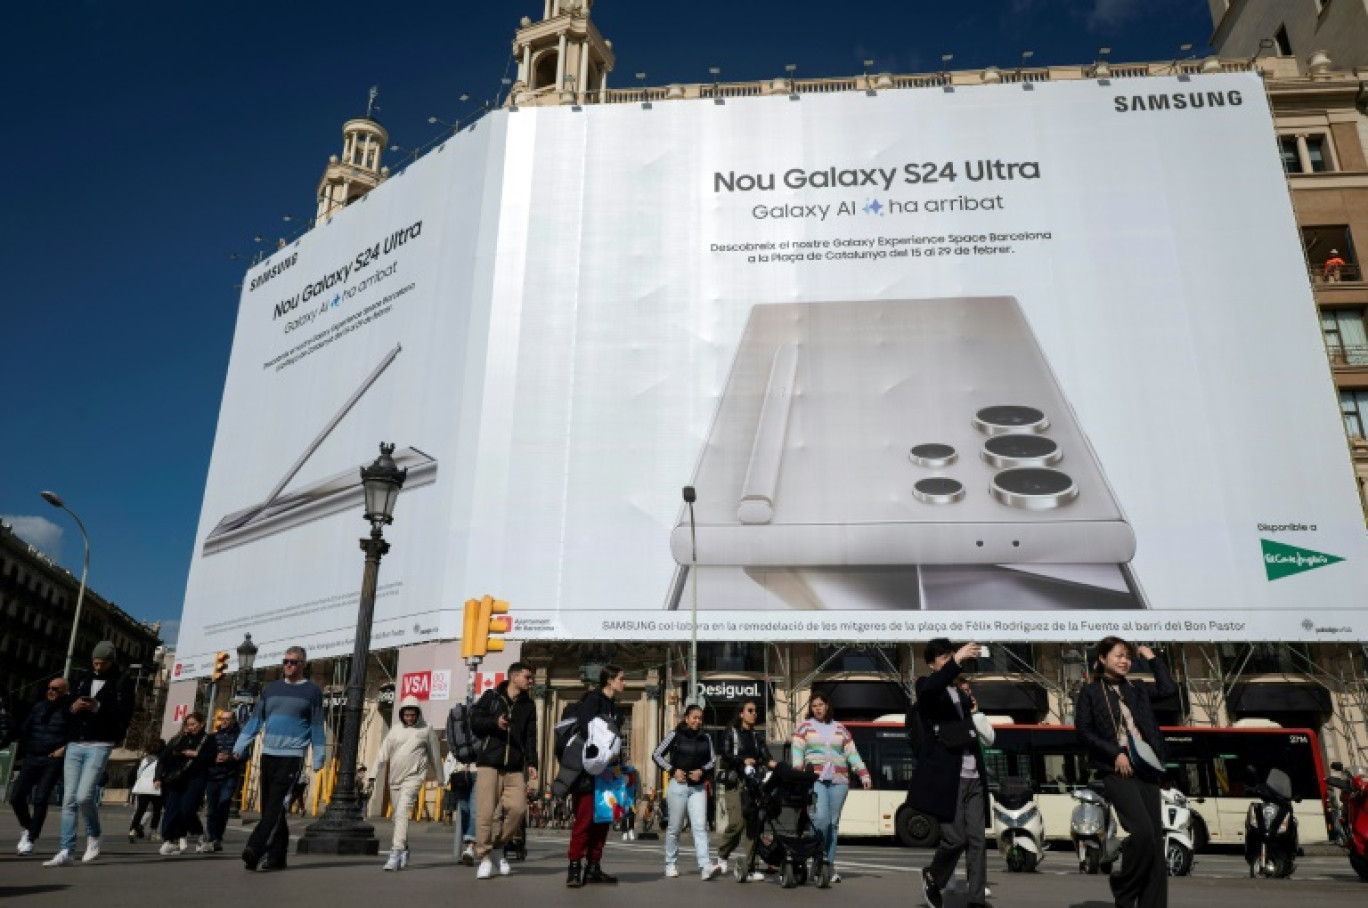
54 690
290 661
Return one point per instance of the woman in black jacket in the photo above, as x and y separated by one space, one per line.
182 773
1116 723
743 749
687 757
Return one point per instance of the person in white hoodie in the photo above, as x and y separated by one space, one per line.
408 752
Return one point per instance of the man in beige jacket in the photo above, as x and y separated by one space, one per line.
408 752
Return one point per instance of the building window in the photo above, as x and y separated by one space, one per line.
1265 658
1303 153
1345 337
859 657
1291 159
1330 253
731 657
1354 406
1315 150
1284 43
1003 659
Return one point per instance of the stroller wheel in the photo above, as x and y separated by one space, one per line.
800 873
741 870
787 877
824 877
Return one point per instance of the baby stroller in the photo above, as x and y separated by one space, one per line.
778 811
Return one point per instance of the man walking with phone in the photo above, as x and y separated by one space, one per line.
948 782
289 715
505 719
101 709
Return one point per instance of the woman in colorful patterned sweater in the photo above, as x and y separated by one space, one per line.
824 746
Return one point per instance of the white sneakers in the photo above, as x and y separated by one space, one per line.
711 872
504 869
25 843
671 871
486 870
468 856
206 846
757 876
723 866
184 844
61 859
169 848
403 858
92 849
396 860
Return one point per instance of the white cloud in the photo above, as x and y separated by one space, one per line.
39 532
170 630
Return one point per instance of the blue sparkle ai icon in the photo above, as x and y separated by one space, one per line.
874 206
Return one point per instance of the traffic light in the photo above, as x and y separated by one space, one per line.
491 625
470 630
220 665
481 624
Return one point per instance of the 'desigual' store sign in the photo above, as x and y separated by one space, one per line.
729 691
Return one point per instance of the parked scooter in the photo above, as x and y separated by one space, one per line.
1178 844
1018 825
1352 818
1093 829
1271 828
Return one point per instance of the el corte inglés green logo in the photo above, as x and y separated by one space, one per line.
1285 560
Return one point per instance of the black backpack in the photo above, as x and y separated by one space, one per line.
461 739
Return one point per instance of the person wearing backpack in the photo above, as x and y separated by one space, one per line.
742 750
587 837
464 748
505 721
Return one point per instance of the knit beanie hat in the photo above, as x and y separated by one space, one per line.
105 650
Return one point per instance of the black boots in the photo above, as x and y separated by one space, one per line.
594 874
575 878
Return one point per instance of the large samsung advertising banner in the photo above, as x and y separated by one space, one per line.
1009 363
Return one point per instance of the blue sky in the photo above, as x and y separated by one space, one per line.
148 141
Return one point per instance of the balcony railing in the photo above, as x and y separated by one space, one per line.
1347 354
1337 274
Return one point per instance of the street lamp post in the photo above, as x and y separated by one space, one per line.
246 653
52 499
343 828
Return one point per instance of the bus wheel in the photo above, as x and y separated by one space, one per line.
915 829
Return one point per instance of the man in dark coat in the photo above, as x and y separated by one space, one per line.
44 737
948 783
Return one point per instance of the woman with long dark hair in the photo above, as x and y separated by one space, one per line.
1116 723
182 774
587 837
824 746
743 751
686 756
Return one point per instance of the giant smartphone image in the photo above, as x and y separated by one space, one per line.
897 433
281 510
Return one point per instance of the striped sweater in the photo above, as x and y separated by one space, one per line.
809 750
291 716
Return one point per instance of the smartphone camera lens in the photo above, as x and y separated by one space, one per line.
932 455
1010 419
1034 488
1020 451
938 490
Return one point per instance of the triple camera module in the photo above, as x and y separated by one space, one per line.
1017 447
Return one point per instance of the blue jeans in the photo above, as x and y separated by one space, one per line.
218 797
463 819
826 818
693 798
81 770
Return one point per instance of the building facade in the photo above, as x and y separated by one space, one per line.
1314 76
37 608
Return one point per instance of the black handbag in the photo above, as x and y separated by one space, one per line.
956 735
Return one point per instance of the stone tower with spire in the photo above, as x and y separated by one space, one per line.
358 170
561 59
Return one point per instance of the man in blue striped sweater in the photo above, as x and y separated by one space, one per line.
290 713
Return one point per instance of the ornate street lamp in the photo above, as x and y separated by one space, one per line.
343 828
245 696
